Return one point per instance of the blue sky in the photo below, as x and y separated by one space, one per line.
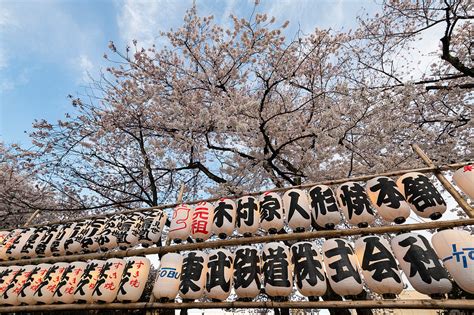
48 49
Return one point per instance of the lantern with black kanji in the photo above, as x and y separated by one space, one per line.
247 272
26 294
168 278
225 213
248 215
464 179
455 248
220 266
297 209
180 228
134 279
387 199
128 230
64 292
44 293
63 233
277 273
379 267
9 242
422 196
108 237
420 264
325 212
29 247
355 204
72 244
88 281
152 227
11 277
271 212
108 282
308 269
15 251
193 275
88 240
203 216
341 266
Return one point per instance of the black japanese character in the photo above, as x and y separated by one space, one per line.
355 198
102 278
217 264
319 200
389 194
295 206
127 273
275 267
269 208
192 271
343 266
377 258
86 278
46 279
307 266
246 268
64 280
421 193
222 214
246 212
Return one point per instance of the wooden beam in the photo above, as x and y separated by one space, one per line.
445 182
378 304
246 241
31 218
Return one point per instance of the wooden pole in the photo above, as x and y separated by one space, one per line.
445 182
246 241
379 304
307 185
31 218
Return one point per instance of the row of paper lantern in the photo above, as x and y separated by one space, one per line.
120 230
78 282
214 274
319 207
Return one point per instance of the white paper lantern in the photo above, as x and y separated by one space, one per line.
58 246
180 227
220 267
247 272
297 209
14 252
464 179
44 293
8 278
277 273
420 264
225 213
107 238
90 241
387 199
88 281
129 230
193 276
72 244
325 212
3 236
168 278
152 227
248 215
355 204
29 248
9 295
108 283
9 242
134 278
308 269
341 267
422 196
203 216
272 217
64 292
34 281
379 267
455 248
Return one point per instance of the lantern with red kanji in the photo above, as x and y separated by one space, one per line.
193 275
168 278
325 212
44 293
272 217
248 215
152 227
220 266
355 204
247 272
134 279
464 179
88 281
277 273
387 199
180 227
225 213
308 269
9 241
9 278
422 196
34 281
297 209
64 292
14 252
203 215
341 266
108 282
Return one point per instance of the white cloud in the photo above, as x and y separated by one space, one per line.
86 67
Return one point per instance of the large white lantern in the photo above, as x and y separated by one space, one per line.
44 293
220 266
129 230
90 243
88 281
464 179
272 217
341 267
247 272
248 215
152 227
193 275
64 232
379 267
134 279
203 215
225 213
308 269
8 279
107 238
71 277
422 196
9 241
72 244
29 247
355 204
297 209
34 281
325 212
44 246
9 296
387 199
420 264
180 227
168 279
108 283
277 273
455 248
14 252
